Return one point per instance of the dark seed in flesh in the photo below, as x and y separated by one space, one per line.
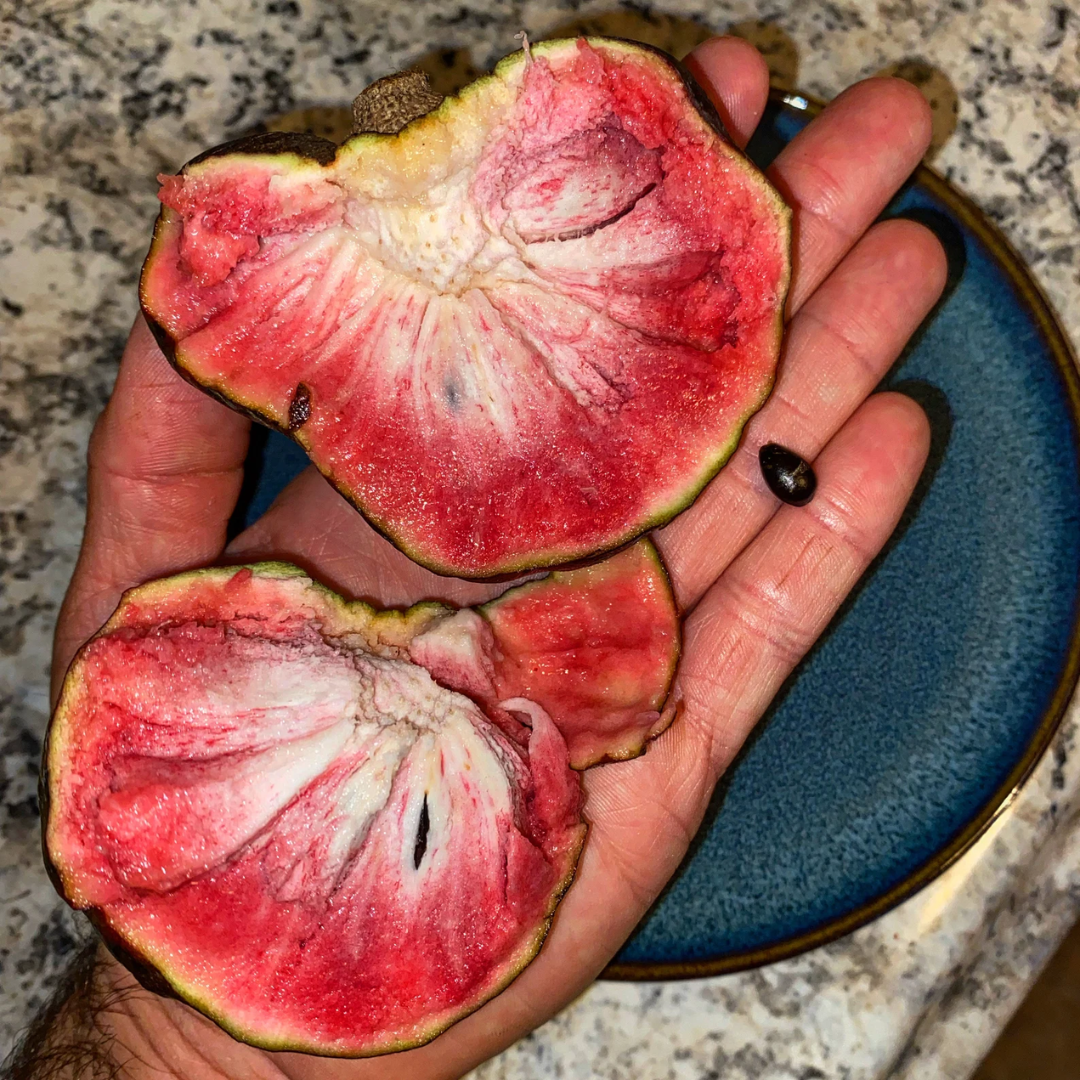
421 836
790 477
300 407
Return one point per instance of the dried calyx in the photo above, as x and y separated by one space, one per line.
391 103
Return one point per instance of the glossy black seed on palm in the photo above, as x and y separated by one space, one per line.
790 478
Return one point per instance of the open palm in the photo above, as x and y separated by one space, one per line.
757 582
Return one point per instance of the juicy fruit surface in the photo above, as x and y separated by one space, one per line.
596 648
522 331
314 842
337 829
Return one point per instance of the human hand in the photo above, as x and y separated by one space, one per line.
758 582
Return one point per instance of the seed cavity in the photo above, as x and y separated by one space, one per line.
300 407
588 230
421 836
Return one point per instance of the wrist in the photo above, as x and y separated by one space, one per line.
143 1035
147 1035
108 1025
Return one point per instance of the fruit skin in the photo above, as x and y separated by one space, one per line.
195 599
311 150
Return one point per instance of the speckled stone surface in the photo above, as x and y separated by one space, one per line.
98 97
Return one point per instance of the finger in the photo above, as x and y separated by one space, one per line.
839 173
763 615
838 348
311 525
736 78
752 628
165 467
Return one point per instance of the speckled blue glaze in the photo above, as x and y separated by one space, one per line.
929 686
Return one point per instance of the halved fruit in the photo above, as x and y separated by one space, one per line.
262 795
522 331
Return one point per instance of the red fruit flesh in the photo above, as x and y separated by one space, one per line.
334 829
319 847
596 648
529 327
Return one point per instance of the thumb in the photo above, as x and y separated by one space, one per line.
165 467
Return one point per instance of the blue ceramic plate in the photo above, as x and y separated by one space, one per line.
940 683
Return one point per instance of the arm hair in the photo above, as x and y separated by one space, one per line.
65 1041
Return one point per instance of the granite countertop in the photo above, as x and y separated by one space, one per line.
98 96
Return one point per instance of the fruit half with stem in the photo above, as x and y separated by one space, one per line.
519 332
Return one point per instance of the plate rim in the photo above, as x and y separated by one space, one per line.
1057 343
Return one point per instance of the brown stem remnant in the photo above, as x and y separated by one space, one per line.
387 105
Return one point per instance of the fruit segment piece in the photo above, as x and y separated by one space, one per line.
259 791
523 330
594 647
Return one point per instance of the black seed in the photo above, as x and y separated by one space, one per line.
421 836
300 407
790 478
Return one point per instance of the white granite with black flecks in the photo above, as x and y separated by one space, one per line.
98 96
